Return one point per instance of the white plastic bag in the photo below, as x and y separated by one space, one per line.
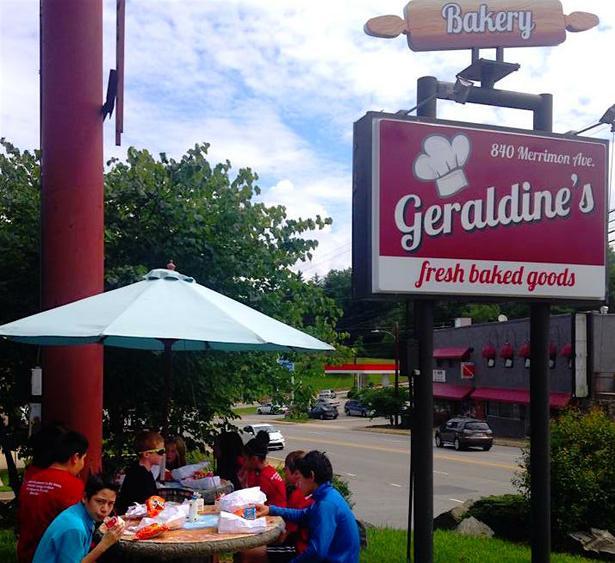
136 511
204 483
232 524
241 498
174 516
188 470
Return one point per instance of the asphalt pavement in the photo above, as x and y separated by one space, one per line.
376 466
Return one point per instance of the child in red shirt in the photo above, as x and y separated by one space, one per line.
266 476
296 499
49 491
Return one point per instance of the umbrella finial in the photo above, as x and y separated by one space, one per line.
170 265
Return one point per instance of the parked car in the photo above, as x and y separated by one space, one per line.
276 440
464 432
271 408
322 411
328 396
356 408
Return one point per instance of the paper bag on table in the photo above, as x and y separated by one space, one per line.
232 524
241 498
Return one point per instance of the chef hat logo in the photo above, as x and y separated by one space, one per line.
443 160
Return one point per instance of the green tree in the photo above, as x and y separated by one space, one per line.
385 402
207 219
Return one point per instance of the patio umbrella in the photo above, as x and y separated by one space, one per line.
167 311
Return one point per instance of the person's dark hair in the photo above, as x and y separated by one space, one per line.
44 444
68 444
229 447
318 463
258 445
97 483
291 459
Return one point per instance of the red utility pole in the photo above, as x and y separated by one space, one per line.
72 222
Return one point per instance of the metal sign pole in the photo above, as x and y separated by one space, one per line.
422 437
540 450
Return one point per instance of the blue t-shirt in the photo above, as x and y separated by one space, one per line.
68 538
334 533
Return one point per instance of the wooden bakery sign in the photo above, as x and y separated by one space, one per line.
432 25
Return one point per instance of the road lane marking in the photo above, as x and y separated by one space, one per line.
441 472
469 461
395 485
456 500
351 474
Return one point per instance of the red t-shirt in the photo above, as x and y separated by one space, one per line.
297 499
273 486
41 498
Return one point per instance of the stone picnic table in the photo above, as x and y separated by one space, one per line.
191 545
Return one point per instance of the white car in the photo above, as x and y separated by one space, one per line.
328 396
271 408
276 440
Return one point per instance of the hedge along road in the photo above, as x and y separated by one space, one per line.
376 466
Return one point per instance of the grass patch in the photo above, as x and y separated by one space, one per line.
337 382
384 544
8 552
245 410
387 545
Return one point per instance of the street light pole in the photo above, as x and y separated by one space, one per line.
395 335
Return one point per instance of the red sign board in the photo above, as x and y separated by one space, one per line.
459 209
467 370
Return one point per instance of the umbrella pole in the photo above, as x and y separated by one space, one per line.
168 381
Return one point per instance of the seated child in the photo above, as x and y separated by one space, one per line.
175 455
69 537
228 451
265 476
295 539
139 483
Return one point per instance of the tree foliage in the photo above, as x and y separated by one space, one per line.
582 473
209 221
384 401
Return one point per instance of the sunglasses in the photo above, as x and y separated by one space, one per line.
160 451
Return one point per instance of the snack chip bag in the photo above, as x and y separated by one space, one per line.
151 531
154 505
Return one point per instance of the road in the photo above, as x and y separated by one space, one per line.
376 466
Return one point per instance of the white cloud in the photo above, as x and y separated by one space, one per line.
276 86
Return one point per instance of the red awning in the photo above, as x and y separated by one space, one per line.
451 353
521 396
454 392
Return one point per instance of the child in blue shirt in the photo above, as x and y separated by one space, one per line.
69 537
334 534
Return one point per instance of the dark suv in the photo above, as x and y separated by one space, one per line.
464 432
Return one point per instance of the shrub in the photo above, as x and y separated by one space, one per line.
343 488
506 515
582 473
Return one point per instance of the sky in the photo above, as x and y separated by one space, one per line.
277 84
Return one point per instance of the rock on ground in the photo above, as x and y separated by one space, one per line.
473 527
